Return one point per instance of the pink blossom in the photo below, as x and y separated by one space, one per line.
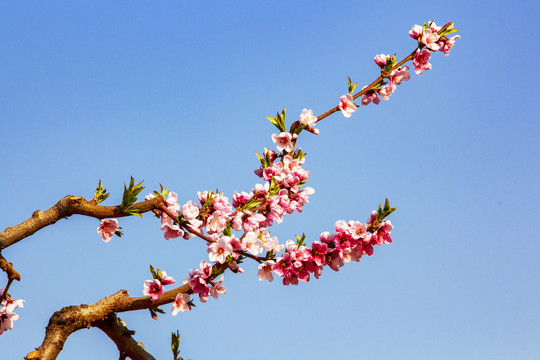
7 318
172 201
190 210
7 315
252 243
372 217
416 31
153 288
172 231
369 97
430 37
326 237
216 223
272 244
205 269
166 279
199 285
385 92
399 75
357 230
219 250
283 141
420 61
221 203
307 118
202 195
240 199
265 270
180 304
448 44
250 221
346 105
318 252
382 235
218 289
380 60
107 228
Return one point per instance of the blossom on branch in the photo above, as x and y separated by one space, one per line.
420 61
180 304
380 60
219 250
153 288
107 228
346 105
7 314
446 44
283 141
307 118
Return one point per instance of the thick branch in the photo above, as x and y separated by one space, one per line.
70 319
116 329
67 206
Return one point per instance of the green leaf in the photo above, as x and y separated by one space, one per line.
158 310
153 272
279 121
251 204
351 85
130 195
263 161
100 194
300 240
382 213
299 154
163 192
227 231
274 187
208 200
175 344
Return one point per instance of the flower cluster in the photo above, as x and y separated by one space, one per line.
429 39
154 288
7 314
202 282
252 213
428 36
350 242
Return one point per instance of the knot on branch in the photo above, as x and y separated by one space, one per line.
9 269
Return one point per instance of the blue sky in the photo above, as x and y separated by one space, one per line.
177 93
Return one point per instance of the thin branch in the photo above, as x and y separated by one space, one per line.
380 78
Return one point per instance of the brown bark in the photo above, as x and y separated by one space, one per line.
102 314
67 206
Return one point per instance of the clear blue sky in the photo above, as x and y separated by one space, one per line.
177 92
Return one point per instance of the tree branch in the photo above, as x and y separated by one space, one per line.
70 319
67 206
117 330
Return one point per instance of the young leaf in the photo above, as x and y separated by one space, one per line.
351 86
300 240
382 213
130 194
175 344
153 272
227 231
100 194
